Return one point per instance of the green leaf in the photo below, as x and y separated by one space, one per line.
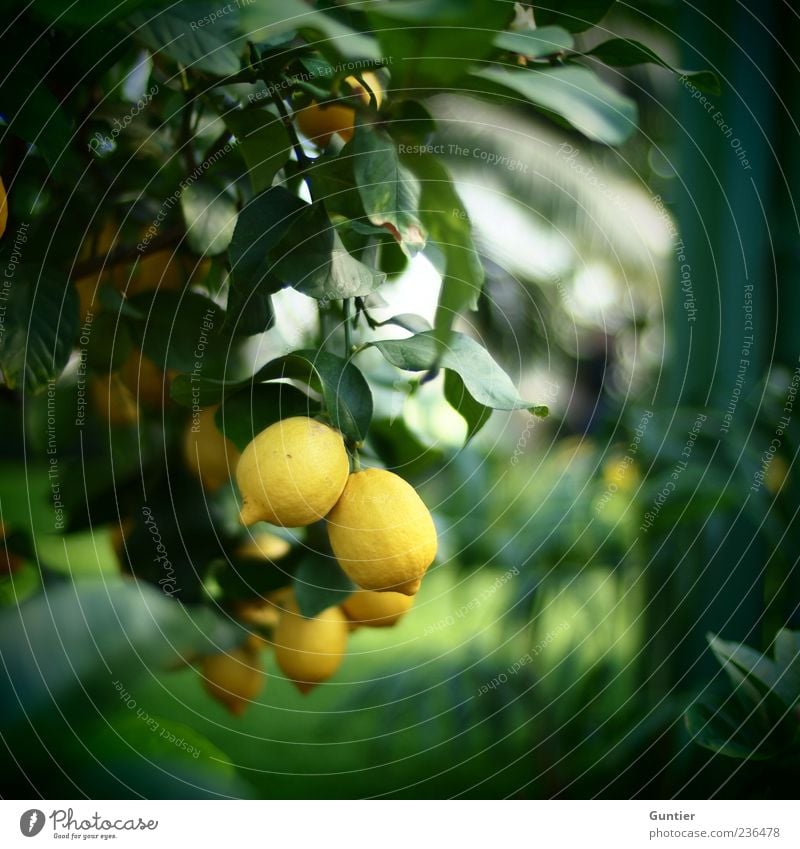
259 228
320 583
389 192
477 385
724 730
199 35
449 230
247 314
210 216
86 12
737 658
262 139
535 43
245 414
34 114
179 330
474 414
573 15
39 329
573 92
313 259
346 394
409 122
69 639
623 52
110 344
432 42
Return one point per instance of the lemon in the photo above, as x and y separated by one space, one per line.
3 207
376 610
292 473
210 455
320 123
264 546
381 533
309 651
113 401
234 679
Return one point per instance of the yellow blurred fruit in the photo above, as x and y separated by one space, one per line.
3 207
621 472
112 400
292 473
309 651
234 678
381 532
264 546
145 380
376 610
158 271
776 474
209 455
320 123
260 614
96 245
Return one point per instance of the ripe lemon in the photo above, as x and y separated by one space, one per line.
264 546
292 473
210 455
381 533
112 400
234 678
376 610
309 651
320 123
3 207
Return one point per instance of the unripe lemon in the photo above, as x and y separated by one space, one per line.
319 123
210 455
309 651
381 533
376 610
113 401
234 679
3 207
292 473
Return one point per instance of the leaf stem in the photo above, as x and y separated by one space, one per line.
302 160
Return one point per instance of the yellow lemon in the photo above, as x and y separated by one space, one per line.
320 123
209 454
381 533
309 651
112 400
376 610
234 678
292 473
264 546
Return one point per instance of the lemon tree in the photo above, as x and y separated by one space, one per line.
171 186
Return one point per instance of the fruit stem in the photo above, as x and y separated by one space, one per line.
302 159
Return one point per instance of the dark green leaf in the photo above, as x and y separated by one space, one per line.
535 43
263 141
346 394
432 42
87 12
573 92
179 330
35 115
247 314
723 730
312 258
72 638
573 15
409 122
477 384
389 192
320 583
39 329
449 229
245 414
189 35
210 216
623 52
474 414
109 344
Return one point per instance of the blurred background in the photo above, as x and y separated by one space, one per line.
560 645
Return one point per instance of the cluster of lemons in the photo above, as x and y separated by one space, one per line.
297 472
